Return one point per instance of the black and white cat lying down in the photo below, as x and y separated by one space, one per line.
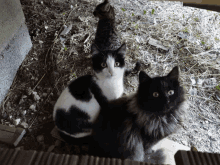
77 105
127 127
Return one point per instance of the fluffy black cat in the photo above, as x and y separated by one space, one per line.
127 127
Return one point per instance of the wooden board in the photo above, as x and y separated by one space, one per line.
11 135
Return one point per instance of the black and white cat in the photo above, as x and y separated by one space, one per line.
77 107
127 127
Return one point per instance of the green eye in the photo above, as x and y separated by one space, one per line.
156 94
103 65
117 64
171 92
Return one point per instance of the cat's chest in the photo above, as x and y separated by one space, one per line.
112 88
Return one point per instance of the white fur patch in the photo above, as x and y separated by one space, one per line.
110 80
66 100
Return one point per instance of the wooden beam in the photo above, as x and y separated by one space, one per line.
11 135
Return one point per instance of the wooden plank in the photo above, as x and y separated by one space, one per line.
66 160
55 159
28 157
91 160
74 160
25 157
102 161
96 161
11 135
60 159
113 161
3 154
7 128
12 159
19 157
19 133
118 162
7 157
84 160
39 156
50 159
44 159
108 161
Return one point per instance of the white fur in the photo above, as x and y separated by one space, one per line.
110 80
66 100
111 85
169 149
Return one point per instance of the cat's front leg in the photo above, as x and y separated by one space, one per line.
138 152
133 149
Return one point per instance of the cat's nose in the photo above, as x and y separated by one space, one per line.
111 73
168 100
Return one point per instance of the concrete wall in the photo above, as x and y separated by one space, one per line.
15 42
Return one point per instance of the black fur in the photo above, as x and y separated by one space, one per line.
106 35
101 57
129 126
79 88
73 121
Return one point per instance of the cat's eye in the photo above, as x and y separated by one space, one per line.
103 65
156 94
171 92
117 64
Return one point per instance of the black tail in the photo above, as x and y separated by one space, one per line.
135 70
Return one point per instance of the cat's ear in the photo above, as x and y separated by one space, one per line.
106 7
122 50
143 76
174 74
94 49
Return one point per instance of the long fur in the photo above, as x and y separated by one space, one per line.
127 128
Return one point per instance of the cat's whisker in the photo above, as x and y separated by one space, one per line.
174 118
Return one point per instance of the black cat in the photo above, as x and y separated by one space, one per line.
127 127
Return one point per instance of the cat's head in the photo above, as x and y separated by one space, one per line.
110 63
104 10
160 94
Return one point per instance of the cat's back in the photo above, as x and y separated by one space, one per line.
114 115
107 37
77 94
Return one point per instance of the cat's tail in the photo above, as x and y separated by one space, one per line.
135 70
